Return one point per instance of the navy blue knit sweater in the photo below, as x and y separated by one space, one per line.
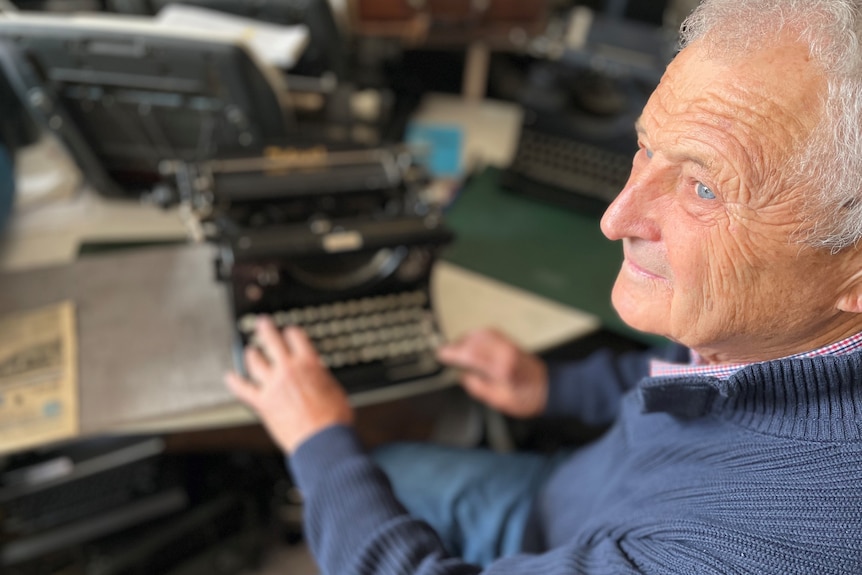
759 473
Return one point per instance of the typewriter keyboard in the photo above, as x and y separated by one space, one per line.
574 166
392 329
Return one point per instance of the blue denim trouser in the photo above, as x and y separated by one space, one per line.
478 501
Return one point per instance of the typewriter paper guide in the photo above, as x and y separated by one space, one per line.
38 377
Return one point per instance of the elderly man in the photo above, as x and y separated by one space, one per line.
739 450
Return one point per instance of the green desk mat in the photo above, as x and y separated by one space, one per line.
547 250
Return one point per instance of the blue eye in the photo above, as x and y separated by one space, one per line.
648 152
703 192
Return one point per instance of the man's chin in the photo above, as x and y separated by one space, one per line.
640 312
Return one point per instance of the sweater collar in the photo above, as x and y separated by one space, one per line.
816 398
697 366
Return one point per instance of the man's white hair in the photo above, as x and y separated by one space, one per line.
831 161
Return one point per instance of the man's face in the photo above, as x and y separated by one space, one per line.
707 217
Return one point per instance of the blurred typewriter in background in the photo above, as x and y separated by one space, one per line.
334 236
580 104
128 505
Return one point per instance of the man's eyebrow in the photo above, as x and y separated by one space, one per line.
683 157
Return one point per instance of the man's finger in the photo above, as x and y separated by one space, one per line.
258 368
299 342
465 355
476 385
456 351
243 389
270 339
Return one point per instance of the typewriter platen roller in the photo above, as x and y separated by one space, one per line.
339 243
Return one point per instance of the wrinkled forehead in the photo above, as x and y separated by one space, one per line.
770 99
779 78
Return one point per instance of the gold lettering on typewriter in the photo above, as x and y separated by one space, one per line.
283 160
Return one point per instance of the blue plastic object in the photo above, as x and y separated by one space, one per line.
7 186
441 145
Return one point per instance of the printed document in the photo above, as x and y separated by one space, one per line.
38 377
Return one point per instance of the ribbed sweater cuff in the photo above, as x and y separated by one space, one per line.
321 452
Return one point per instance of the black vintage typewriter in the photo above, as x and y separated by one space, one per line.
340 243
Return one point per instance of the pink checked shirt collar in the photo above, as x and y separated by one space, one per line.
660 368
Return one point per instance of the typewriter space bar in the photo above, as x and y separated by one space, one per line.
365 377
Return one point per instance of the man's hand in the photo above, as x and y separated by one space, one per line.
499 373
290 389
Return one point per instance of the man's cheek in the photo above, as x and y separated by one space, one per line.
734 260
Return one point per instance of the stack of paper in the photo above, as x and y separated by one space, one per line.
277 45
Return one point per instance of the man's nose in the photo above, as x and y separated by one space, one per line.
629 215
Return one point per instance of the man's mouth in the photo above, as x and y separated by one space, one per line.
642 268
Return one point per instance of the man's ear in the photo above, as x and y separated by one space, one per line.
850 299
